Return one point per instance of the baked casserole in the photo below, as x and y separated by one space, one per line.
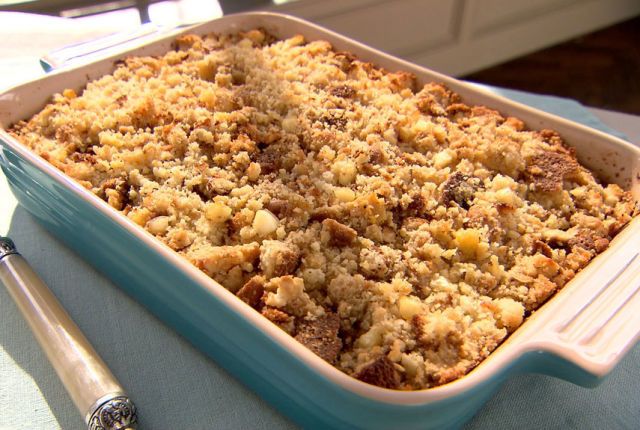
394 230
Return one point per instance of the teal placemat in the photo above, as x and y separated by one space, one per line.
566 108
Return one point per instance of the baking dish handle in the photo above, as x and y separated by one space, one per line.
593 326
84 51
77 52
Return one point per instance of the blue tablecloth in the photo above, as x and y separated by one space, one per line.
175 386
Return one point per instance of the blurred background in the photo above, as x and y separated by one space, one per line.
587 50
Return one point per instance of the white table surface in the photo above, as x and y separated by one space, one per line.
173 384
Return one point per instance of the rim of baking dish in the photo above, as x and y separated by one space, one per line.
508 352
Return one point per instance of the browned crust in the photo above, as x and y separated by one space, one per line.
280 318
339 234
252 291
588 240
343 91
380 372
548 170
459 189
323 213
115 191
223 258
542 248
279 207
320 335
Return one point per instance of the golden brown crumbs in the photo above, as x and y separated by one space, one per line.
394 230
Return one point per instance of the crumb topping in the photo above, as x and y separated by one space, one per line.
394 230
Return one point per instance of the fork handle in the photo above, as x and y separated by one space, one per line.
91 385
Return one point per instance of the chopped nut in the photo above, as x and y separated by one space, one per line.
370 339
345 171
158 225
468 240
409 306
327 212
443 158
265 223
290 296
256 36
344 194
253 171
217 212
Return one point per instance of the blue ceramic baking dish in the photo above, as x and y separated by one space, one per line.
579 335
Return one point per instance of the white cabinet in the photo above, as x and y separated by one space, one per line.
387 26
461 36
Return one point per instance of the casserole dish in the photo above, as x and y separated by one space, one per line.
221 326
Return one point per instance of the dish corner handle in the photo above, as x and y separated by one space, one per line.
599 324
